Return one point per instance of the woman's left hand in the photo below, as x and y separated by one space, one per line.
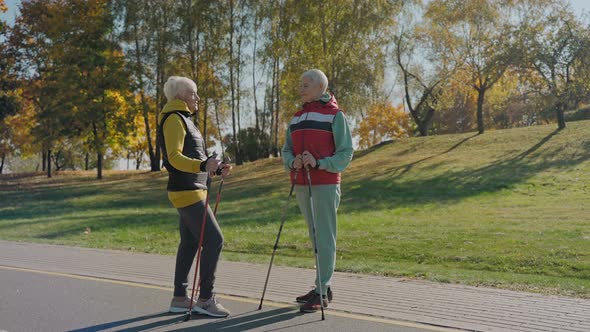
225 169
308 159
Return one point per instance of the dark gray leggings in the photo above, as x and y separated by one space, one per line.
191 218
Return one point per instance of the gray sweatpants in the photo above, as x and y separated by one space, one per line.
326 199
191 218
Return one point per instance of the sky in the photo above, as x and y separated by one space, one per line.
581 5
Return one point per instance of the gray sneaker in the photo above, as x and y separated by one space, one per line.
211 308
181 305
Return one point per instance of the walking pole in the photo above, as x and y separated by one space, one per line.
218 196
226 160
315 242
278 237
190 309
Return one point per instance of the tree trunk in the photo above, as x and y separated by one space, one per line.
264 115
2 163
480 99
257 126
97 147
216 104
138 159
192 51
48 163
152 153
160 75
56 161
86 161
145 107
423 129
43 161
428 119
194 60
425 123
277 109
232 83
559 110
238 89
323 25
205 128
271 106
99 165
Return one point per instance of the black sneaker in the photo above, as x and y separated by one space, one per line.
310 294
313 304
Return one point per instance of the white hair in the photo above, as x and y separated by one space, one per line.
178 86
317 76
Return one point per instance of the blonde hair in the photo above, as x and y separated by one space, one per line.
178 85
317 76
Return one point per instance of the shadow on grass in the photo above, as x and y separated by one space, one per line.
360 154
44 202
409 166
110 223
258 201
538 145
451 186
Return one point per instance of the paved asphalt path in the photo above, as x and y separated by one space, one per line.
35 300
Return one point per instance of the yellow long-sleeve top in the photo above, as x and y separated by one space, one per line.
174 132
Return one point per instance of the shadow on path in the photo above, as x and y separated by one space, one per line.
247 321
123 322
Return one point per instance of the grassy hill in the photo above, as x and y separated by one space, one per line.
507 209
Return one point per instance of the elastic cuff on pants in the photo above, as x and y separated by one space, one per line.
180 292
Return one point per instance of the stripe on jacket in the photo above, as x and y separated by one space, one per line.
313 116
312 120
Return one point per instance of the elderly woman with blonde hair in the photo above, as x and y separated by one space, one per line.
319 140
188 168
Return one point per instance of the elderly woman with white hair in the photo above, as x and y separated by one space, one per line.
319 139
188 168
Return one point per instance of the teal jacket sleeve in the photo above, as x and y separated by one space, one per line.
287 151
343 144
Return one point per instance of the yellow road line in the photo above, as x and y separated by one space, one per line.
240 299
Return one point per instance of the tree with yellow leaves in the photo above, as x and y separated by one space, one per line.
3 7
383 121
136 142
478 34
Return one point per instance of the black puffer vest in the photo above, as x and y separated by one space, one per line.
194 147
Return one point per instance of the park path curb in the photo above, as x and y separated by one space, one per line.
449 305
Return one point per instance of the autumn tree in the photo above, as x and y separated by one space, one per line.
9 103
77 66
138 43
480 37
135 143
96 66
456 112
382 122
15 133
423 71
35 38
555 44
345 39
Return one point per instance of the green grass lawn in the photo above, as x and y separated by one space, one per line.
505 209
